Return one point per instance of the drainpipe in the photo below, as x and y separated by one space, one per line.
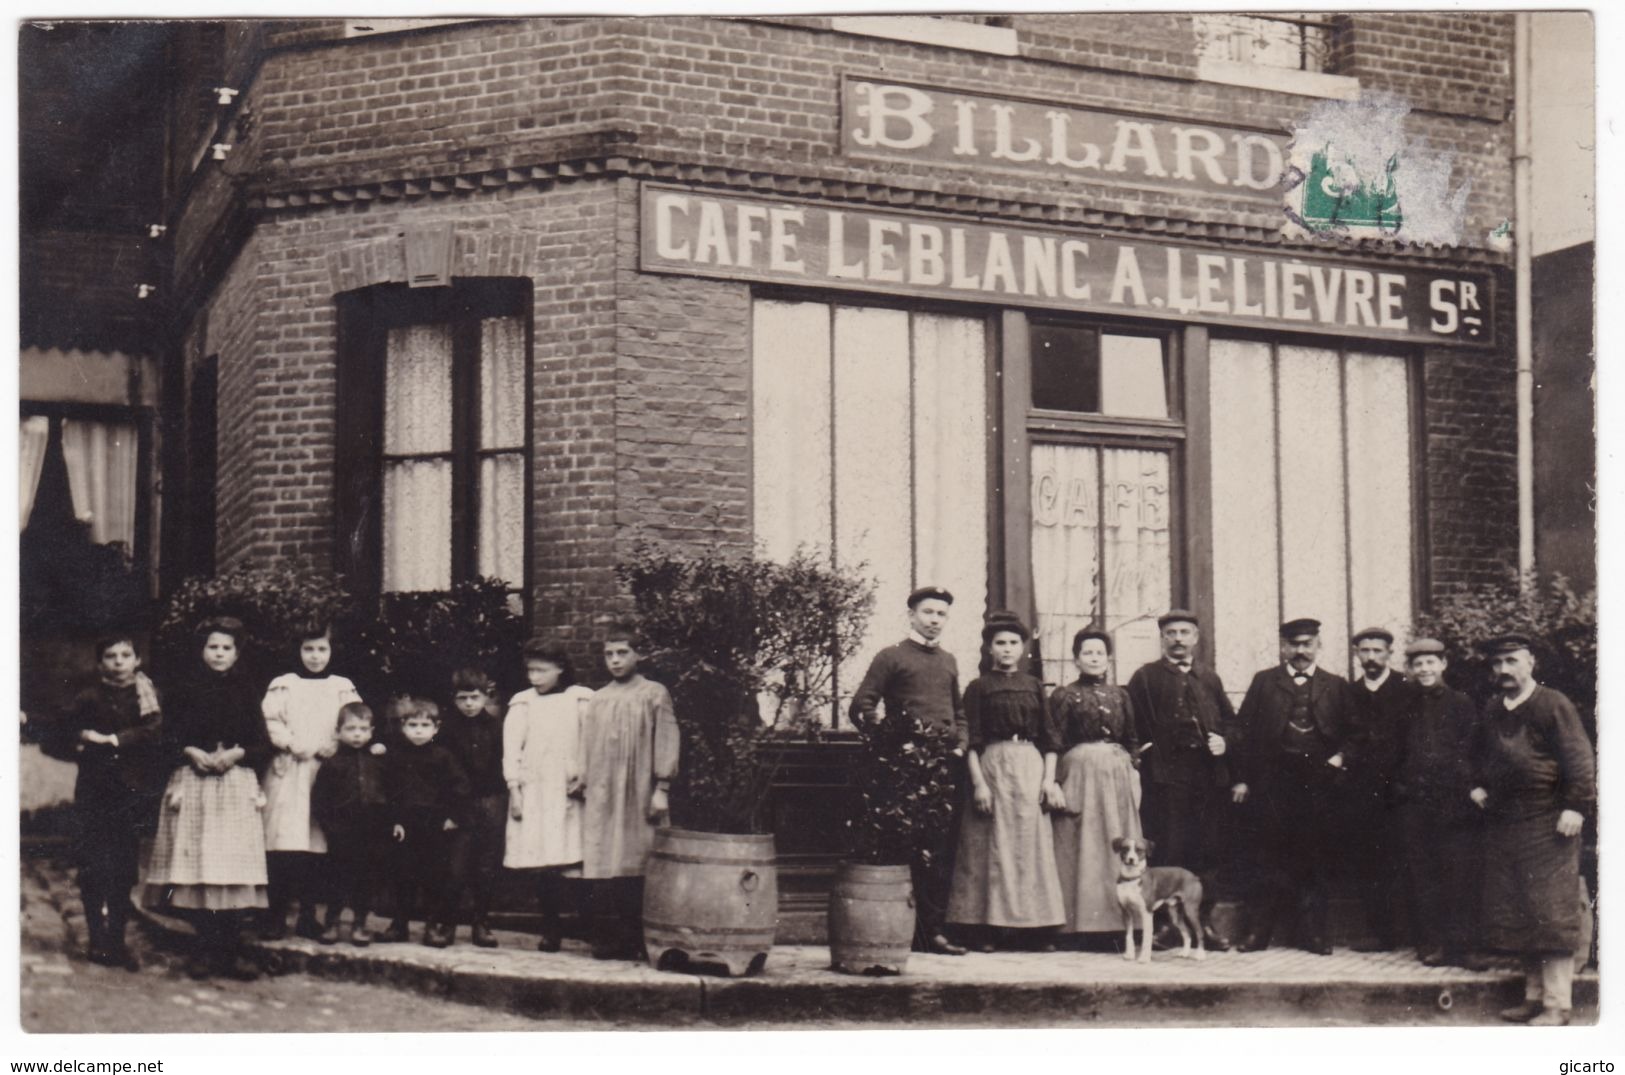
1521 242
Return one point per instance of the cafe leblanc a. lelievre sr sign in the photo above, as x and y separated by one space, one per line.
893 120
795 243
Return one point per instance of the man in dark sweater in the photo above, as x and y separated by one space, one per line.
1293 721
1536 782
1440 831
1378 701
475 738
915 679
428 801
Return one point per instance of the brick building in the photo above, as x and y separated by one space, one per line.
1003 303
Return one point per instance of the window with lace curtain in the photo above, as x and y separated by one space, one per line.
434 436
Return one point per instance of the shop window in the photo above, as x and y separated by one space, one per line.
869 442
1312 493
1084 370
434 442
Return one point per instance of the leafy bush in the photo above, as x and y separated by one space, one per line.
1561 625
905 780
415 641
272 602
748 649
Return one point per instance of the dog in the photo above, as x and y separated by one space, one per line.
1142 890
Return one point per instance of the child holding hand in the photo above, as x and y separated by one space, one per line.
629 748
301 708
209 855
107 730
540 758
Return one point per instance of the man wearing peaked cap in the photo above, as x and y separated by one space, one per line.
1536 781
917 678
1377 702
1440 831
1293 721
1182 712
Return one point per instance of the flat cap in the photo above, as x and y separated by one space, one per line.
1373 632
927 593
1004 620
1423 647
1507 643
1178 615
1303 625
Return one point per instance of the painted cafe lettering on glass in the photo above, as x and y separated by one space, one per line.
725 236
886 119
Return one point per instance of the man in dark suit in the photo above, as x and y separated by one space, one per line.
1293 723
1183 714
1378 701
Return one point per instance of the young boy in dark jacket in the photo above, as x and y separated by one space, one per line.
428 795
109 730
349 802
474 737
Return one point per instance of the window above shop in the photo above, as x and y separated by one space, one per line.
1082 369
1286 51
976 33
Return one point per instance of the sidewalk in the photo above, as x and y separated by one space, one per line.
1275 987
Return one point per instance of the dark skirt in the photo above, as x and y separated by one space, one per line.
1531 887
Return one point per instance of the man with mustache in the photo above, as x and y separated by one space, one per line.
1294 721
1536 783
1182 712
1377 703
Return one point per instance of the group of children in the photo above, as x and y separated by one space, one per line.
298 794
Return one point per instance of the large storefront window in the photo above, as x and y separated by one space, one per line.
446 373
1312 497
870 442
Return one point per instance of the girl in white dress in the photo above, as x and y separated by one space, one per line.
301 712
540 764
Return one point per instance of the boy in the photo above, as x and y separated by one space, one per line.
108 729
476 848
629 748
349 803
428 796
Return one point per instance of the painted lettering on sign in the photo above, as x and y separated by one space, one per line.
889 119
726 236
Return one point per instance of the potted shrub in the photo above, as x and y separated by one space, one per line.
903 790
747 647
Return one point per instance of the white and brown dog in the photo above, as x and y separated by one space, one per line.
1142 890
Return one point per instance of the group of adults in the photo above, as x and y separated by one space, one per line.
1457 825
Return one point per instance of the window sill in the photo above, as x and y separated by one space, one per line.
925 30
1279 79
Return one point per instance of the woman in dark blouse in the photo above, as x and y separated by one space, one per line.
1099 779
1004 874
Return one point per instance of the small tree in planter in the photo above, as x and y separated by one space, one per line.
748 648
904 785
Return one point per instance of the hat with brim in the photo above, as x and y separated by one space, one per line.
1299 627
1178 615
1508 643
1373 632
928 593
1425 647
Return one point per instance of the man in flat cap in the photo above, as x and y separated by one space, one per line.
1536 781
1293 721
1378 700
1440 831
1181 710
917 678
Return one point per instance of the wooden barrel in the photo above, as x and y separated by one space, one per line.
710 899
871 919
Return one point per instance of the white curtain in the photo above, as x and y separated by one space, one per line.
36 434
101 459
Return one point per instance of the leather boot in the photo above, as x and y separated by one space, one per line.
481 935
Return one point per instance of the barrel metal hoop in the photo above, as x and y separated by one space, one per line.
706 931
706 861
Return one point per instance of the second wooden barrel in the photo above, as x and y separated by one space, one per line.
710 899
871 919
